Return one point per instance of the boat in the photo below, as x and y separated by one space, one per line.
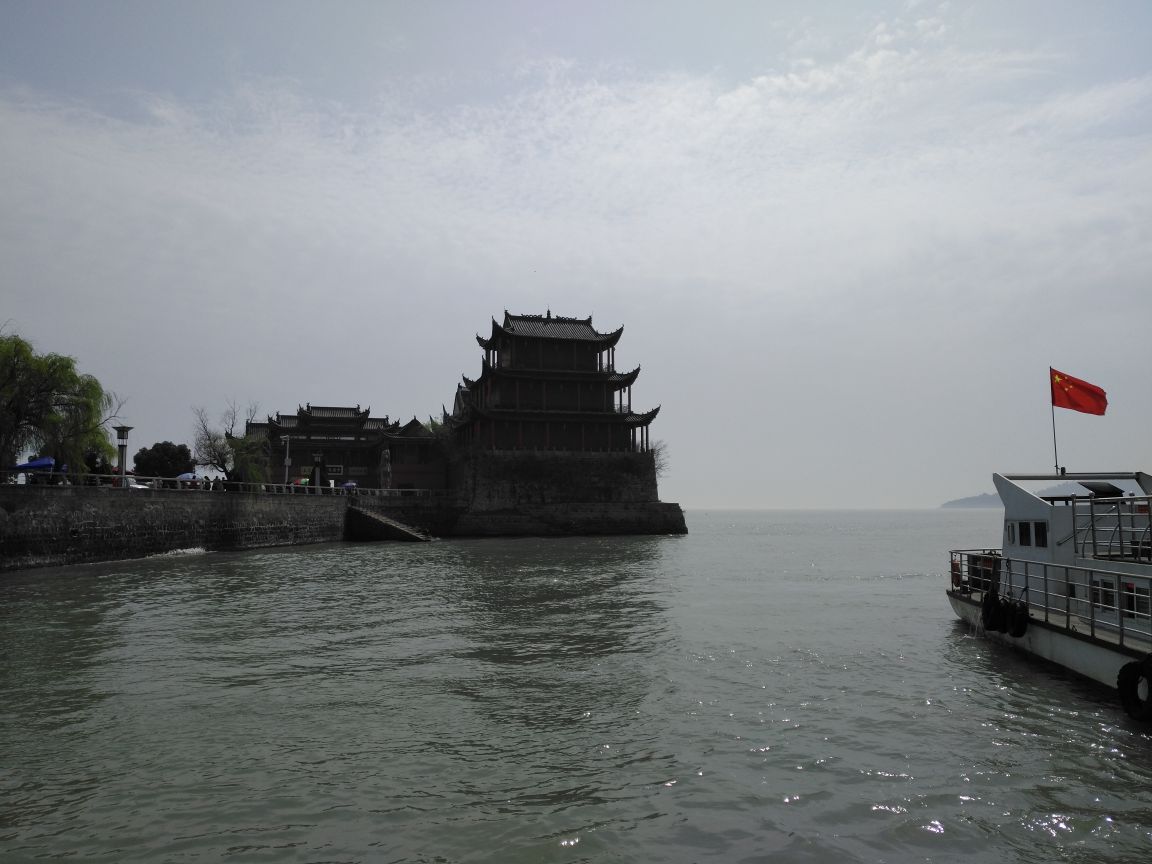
1071 583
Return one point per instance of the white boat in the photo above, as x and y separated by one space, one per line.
1071 583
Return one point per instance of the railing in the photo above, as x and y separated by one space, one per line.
1102 604
139 483
1118 529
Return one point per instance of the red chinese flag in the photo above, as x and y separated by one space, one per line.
1069 392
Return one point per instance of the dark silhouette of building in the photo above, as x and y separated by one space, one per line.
549 383
346 444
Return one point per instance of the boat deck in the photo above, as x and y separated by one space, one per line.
1094 603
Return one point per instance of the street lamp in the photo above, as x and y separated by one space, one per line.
122 443
287 456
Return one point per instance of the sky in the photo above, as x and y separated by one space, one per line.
846 240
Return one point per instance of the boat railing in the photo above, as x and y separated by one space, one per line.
1115 529
1098 603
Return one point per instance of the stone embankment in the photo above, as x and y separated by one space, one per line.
561 520
51 526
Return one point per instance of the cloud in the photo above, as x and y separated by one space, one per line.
907 205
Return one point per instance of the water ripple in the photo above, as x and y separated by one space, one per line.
773 686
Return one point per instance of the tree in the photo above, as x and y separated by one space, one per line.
234 455
48 406
164 459
96 462
659 452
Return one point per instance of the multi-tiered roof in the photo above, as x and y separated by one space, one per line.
550 383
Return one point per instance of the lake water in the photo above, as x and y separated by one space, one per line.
775 686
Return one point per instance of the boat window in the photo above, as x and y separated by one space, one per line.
1136 601
1025 533
1103 594
1040 532
1010 533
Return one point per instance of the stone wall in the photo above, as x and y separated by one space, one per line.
49 526
440 518
498 481
499 495
565 520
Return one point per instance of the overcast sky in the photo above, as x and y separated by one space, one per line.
845 240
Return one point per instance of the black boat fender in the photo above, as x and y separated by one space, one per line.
1007 616
1136 699
1004 615
1018 620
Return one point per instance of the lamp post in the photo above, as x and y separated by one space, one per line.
287 456
122 443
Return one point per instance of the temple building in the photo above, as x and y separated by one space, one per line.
550 383
333 445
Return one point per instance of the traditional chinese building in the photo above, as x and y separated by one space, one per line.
335 444
550 383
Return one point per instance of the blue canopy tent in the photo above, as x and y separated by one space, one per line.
44 463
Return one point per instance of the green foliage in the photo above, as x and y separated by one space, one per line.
49 406
249 459
164 459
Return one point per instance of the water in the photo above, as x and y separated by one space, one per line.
774 686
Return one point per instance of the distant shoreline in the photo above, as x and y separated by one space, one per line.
987 500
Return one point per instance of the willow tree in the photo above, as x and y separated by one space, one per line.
48 406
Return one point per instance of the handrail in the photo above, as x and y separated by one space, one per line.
1114 528
1114 606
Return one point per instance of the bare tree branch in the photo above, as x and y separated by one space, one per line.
217 446
660 457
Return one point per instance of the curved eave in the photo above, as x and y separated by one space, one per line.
617 379
625 379
399 437
611 417
643 419
607 340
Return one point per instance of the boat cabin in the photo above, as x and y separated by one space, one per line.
1082 549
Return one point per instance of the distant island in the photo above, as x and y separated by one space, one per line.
991 499
988 499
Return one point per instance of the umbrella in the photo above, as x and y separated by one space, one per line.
44 463
187 475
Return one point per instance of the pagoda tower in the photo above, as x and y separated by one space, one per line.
550 383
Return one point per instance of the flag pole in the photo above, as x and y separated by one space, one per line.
1055 452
